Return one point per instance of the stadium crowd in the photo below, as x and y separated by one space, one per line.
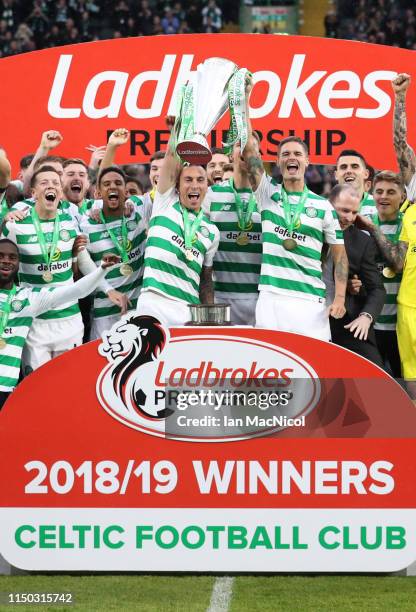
27 25
384 22
283 256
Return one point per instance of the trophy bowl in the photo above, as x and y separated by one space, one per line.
208 89
209 314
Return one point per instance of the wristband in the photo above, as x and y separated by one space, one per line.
366 314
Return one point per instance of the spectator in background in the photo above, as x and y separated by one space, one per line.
170 23
8 13
331 25
39 23
54 37
211 17
145 19
121 16
157 25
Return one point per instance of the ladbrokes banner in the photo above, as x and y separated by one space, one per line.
334 94
207 449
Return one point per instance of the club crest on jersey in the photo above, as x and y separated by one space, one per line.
128 244
17 305
131 347
311 211
131 225
65 235
56 255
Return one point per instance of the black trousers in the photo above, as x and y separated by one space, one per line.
343 337
389 351
3 397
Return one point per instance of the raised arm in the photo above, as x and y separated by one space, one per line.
50 139
118 138
251 154
404 153
171 165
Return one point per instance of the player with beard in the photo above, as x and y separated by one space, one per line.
295 223
180 247
20 305
352 170
232 206
215 168
75 186
45 238
113 231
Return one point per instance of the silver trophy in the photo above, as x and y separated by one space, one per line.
207 93
209 314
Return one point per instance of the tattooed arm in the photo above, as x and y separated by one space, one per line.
405 154
206 286
394 254
251 154
339 256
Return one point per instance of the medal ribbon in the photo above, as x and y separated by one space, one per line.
237 105
5 310
47 256
184 126
121 246
291 220
244 213
190 228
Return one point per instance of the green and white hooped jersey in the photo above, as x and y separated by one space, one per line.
100 243
24 307
236 267
297 273
32 264
166 269
388 317
367 205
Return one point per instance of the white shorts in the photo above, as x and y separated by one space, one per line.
49 339
243 310
167 311
103 324
290 314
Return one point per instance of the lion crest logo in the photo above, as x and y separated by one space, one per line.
132 347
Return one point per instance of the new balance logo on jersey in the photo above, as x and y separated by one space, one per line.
32 239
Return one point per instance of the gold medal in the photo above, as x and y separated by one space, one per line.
3 344
47 276
242 239
126 269
388 272
189 255
289 244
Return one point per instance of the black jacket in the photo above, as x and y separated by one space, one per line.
361 252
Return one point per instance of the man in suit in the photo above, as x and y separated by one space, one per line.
355 330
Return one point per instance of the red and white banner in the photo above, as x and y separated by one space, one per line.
108 468
334 94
